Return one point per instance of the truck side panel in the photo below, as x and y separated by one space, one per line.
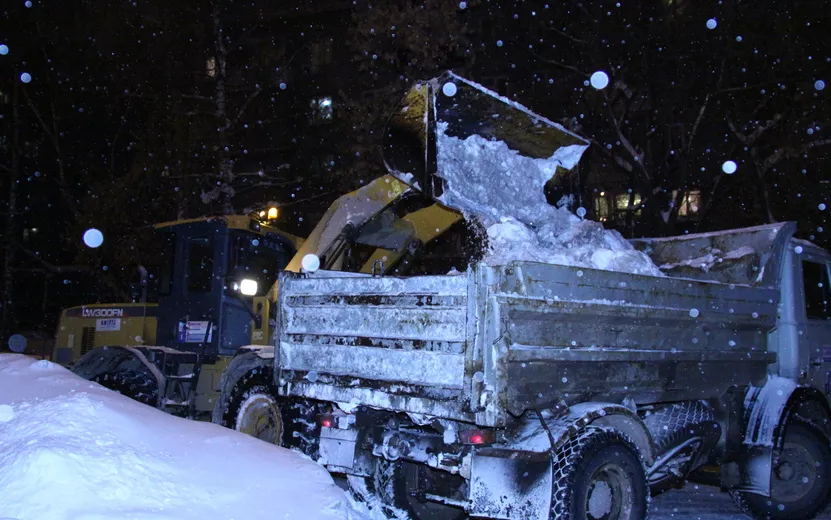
583 334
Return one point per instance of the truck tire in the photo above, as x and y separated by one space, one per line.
800 481
399 484
598 474
135 385
672 425
254 409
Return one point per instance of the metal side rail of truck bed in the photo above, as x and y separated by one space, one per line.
499 340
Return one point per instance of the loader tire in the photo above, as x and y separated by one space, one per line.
598 474
135 385
254 409
672 425
800 481
400 486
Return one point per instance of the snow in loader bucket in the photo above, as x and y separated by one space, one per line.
452 106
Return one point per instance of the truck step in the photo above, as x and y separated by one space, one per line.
171 402
186 377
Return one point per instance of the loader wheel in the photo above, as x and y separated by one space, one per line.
136 385
258 415
255 411
800 481
403 485
598 475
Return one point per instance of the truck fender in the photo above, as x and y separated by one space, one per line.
513 479
246 360
603 415
767 410
807 404
112 359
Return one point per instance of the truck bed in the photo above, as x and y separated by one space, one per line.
488 344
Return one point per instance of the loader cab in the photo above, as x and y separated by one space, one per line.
214 270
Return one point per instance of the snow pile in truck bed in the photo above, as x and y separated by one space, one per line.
505 190
71 449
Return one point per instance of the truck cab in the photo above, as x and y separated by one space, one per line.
806 307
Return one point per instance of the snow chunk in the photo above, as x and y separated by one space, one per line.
6 413
102 455
488 181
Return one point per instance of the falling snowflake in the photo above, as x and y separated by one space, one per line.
599 80
93 238
729 167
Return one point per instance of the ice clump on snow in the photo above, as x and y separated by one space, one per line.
505 191
6 413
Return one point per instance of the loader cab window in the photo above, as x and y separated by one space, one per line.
200 264
259 258
817 291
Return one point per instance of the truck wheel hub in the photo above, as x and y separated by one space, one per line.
609 495
794 473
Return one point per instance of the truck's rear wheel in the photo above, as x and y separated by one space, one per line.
800 481
403 485
598 475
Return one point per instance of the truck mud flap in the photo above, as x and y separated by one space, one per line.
510 484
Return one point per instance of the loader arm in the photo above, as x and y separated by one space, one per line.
447 105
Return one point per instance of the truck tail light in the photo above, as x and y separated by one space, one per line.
326 420
477 437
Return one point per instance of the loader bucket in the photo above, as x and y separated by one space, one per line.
461 108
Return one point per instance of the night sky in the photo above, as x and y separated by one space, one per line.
121 114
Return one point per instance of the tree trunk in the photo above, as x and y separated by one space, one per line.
226 166
11 223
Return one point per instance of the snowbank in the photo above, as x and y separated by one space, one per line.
505 190
71 449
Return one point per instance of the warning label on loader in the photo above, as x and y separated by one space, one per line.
195 332
108 325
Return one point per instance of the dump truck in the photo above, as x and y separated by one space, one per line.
535 391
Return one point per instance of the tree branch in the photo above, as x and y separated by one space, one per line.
50 267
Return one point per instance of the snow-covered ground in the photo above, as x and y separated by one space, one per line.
73 450
697 502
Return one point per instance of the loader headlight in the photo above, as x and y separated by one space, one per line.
248 287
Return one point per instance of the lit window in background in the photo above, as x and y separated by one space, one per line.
601 206
691 204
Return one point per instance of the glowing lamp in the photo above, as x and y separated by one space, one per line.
248 287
